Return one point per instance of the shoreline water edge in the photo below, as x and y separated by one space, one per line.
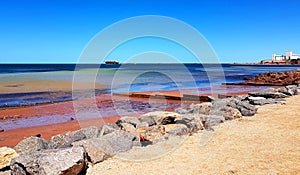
94 144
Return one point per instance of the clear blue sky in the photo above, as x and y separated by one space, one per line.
58 30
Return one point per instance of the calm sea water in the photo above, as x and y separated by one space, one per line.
118 79
128 77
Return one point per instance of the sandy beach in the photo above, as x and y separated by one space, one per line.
263 144
150 87
267 143
33 85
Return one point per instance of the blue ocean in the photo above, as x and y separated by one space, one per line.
125 78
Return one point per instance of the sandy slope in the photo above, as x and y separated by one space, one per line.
267 143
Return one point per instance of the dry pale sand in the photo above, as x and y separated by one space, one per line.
268 143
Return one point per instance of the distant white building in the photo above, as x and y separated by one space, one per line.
291 56
288 56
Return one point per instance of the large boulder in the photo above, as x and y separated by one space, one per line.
31 144
99 149
113 143
261 100
153 134
130 129
131 120
176 129
246 108
159 117
118 141
228 113
219 104
93 150
202 108
289 90
108 128
65 140
209 121
225 107
268 93
6 154
193 122
181 111
242 105
147 119
50 162
89 132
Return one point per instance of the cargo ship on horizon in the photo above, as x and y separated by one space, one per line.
112 62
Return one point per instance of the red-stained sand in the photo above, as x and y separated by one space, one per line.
12 137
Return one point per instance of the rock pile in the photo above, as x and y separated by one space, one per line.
72 152
277 78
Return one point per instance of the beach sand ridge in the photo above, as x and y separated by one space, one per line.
267 143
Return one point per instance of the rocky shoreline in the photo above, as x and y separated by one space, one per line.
74 152
277 78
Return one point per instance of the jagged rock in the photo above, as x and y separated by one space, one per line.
130 129
147 119
220 107
193 122
108 128
228 113
153 133
115 142
211 120
65 140
50 162
131 120
292 89
6 154
176 129
99 149
159 117
284 90
181 111
231 113
62 140
268 93
220 104
261 100
202 108
93 150
244 106
89 132
31 144
142 125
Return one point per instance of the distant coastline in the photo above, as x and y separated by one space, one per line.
260 64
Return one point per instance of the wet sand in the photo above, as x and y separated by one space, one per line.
64 109
267 143
33 85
